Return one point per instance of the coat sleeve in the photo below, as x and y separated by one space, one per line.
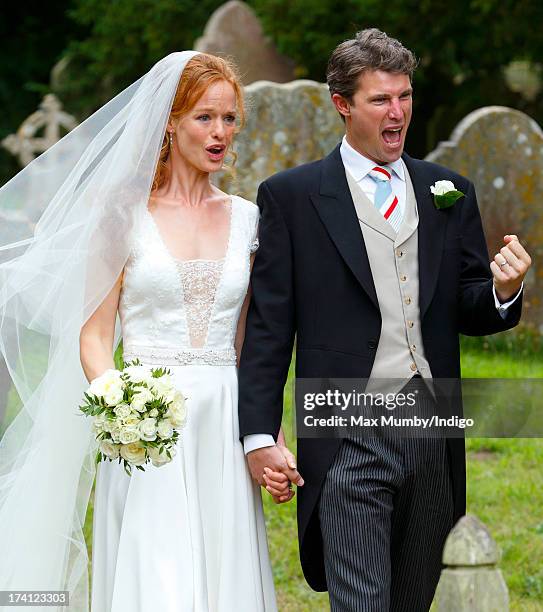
478 313
270 328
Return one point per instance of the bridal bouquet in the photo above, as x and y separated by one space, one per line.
137 415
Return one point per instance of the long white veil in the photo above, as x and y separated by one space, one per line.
93 185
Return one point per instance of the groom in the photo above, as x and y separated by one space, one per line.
374 281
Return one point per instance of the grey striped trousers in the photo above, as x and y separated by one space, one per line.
385 510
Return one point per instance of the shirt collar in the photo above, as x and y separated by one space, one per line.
358 166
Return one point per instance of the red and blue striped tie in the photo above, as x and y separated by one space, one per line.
385 201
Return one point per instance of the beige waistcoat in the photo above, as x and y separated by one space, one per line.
393 258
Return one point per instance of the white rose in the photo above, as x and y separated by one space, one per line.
137 374
165 429
134 453
114 393
98 384
442 187
140 399
147 429
177 416
99 423
115 433
162 387
177 412
128 435
122 411
108 384
157 458
108 424
109 449
179 400
132 420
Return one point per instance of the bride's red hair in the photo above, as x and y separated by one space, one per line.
200 72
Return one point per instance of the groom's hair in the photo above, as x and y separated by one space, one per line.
371 49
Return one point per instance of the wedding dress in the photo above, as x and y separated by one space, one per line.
188 536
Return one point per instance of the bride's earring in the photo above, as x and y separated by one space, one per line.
171 140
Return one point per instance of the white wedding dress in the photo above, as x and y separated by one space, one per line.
188 536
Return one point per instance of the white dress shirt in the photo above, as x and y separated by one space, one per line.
359 167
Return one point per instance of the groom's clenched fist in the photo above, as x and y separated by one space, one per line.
509 268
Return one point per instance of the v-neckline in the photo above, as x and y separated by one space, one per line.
177 265
182 261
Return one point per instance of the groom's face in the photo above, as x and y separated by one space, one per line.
379 115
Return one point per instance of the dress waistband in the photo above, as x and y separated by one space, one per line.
166 356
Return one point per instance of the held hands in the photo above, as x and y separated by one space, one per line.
509 268
274 467
278 484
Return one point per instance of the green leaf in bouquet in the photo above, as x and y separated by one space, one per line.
118 356
134 362
159 372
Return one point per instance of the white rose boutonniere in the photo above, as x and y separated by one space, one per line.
445 194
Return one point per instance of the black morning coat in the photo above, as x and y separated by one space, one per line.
312 280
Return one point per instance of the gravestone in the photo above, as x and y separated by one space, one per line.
501 151
471 580
234 30
40 130
287 125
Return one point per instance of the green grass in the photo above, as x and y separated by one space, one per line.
505 490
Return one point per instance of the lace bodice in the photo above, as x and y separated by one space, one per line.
189 309
200 280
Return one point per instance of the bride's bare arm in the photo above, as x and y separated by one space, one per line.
97 335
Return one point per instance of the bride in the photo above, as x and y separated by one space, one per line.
134 226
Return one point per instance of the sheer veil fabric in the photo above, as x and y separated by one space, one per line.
94 186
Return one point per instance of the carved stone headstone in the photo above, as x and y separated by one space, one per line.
501 151
287 125
40 130
234 30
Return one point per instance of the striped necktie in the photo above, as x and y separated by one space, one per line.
384 200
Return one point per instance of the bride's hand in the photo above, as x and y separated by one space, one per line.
278 486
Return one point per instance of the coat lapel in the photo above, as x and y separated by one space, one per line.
335 207
366 211
431 231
